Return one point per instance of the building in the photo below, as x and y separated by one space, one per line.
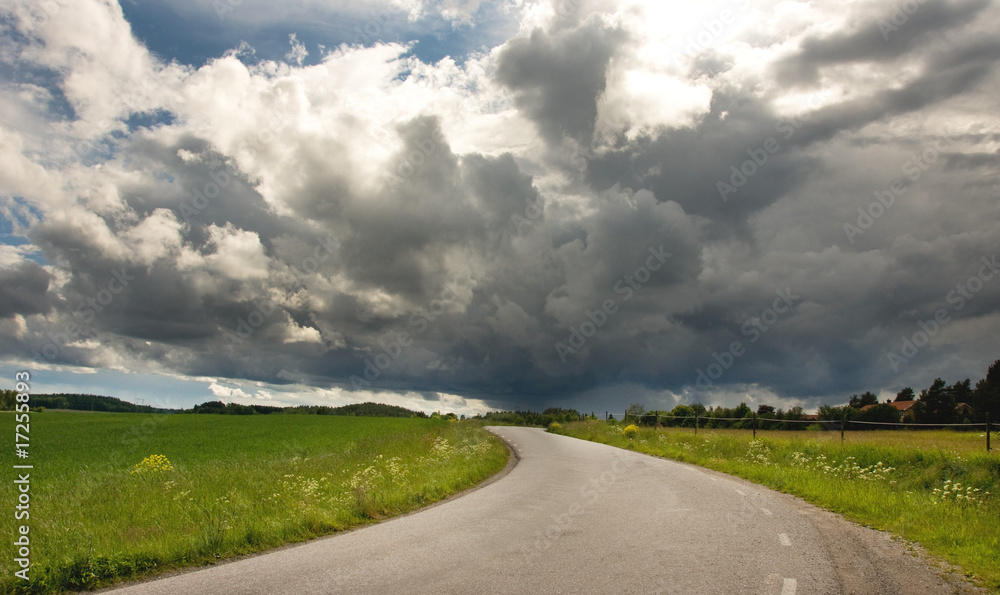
905 408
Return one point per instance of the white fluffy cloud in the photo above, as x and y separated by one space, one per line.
456 221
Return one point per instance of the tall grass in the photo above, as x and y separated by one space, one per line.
937 488
238 484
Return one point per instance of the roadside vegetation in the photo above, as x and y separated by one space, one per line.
116 496
937 488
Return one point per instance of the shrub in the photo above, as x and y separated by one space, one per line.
555 427
630 431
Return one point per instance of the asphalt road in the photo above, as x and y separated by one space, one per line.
578 517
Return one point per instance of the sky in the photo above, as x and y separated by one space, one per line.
464 205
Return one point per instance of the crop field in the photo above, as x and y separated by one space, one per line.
937 488
117 496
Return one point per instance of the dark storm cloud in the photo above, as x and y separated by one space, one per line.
208 190
557 77
972 161
955 71
506 274
24 290
686 165
885 36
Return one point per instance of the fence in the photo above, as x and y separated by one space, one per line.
754 422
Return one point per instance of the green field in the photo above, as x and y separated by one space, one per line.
233 485
937 488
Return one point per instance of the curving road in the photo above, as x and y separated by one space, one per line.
580 517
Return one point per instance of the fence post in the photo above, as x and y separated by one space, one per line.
695 424
754 425
988 428
843 418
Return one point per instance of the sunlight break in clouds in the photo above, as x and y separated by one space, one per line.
433 207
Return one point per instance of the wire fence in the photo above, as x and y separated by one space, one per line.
755 423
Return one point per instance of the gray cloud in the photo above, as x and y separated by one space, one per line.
557 77
419 254
25 290
886 35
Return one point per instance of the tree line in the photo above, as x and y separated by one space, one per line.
531 418
367 409
82 402
78 402
940 403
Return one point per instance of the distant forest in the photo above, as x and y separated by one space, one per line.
79 403
357 410
530 418
940 403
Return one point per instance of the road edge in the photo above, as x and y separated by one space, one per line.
949 574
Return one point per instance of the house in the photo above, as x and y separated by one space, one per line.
908 415
963 410
905 408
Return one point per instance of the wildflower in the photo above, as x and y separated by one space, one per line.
153 464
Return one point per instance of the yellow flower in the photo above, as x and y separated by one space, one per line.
153 463
630 431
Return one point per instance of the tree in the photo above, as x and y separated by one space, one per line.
906 394
634 411
765 411
869 398
796 413
682 411
986 397
8 400
210 407
936 404
881 412
961 392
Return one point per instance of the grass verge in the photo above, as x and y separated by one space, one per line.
103 509
936 488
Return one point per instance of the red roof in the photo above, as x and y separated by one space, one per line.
899 405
